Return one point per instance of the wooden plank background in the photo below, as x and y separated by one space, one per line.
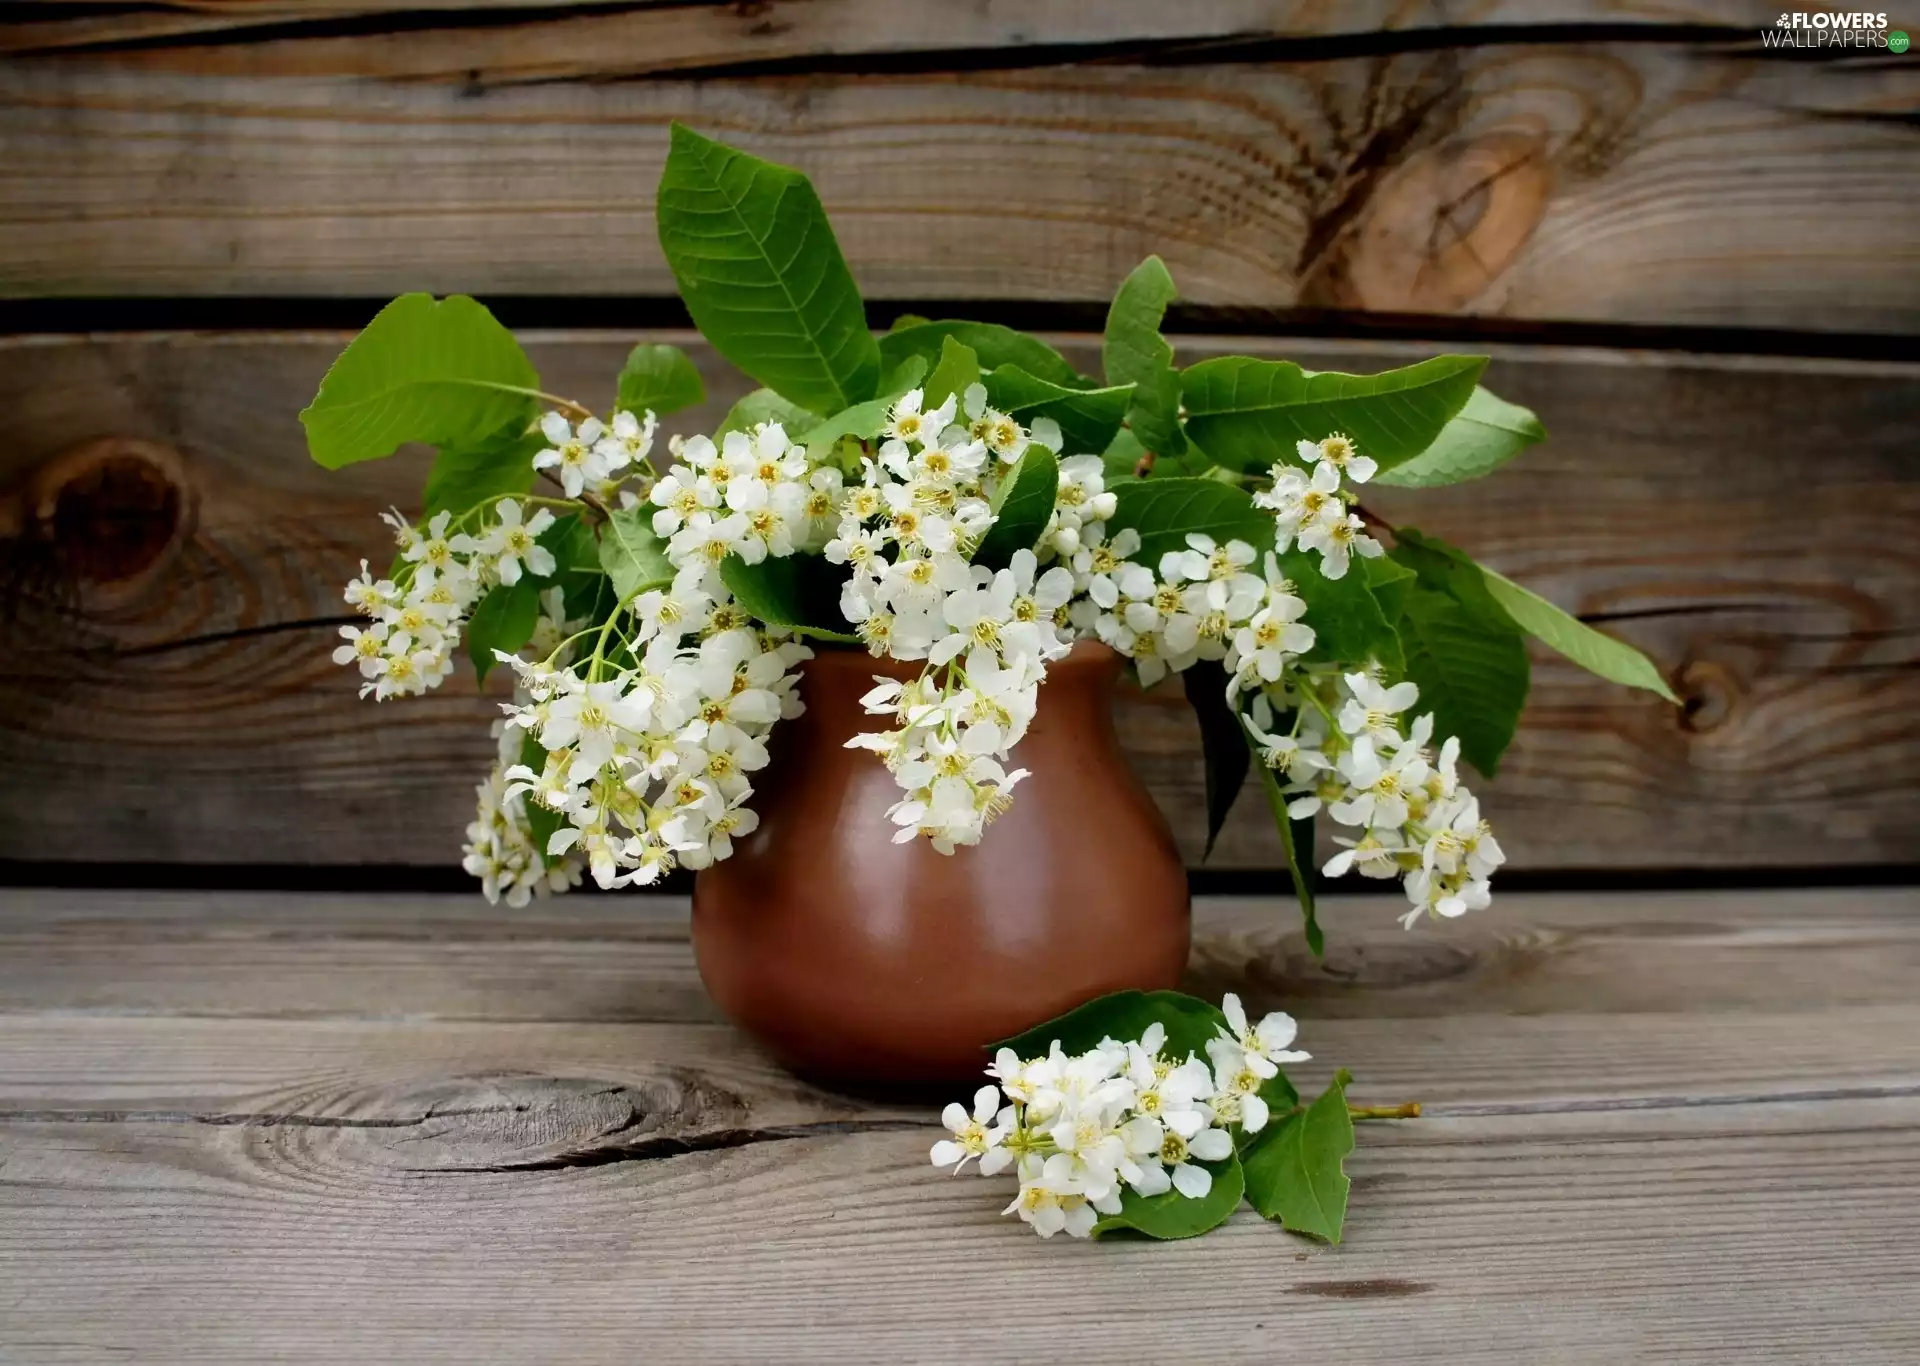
1512 167
188 710
315 148
1668 1128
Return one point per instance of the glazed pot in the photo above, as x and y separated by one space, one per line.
868 963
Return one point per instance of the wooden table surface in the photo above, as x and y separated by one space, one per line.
260 1127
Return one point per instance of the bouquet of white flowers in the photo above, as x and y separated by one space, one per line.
956 494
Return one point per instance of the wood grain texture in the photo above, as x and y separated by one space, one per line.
670 35
1727 1182
173 700
1648 183
626 959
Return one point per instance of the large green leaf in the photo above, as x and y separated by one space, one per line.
1166 511
1124 1015
1348 624
1021 506
761 274
991 343
659 378
957 369
1299 854
504 620
1295 1171
1389 580
1135 353
635 559
1088 418
763 405
1223 742
1486 433
1248 413
466 477
1472 673
442 373
1614 660
801 592
1171 1214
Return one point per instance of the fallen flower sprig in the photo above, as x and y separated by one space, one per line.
1155 1112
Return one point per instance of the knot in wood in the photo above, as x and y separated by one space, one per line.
108 514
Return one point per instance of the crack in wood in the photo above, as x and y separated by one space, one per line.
660 1146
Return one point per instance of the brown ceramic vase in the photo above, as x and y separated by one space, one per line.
873 964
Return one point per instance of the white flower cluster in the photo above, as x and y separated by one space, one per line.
1346 752
595 456
1077 1129
1314 509
650 740
906 531
407 646
754 495
1205 604
502 849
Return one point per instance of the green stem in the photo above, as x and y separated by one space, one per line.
1408 1110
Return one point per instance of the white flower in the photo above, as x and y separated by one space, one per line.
1379 791
1374 711
1265 1044
627 442
512 541
974 1135
573 452
1336 539
1339 452
365 648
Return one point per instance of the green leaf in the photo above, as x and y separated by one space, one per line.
1171 1214
659 378
959 367
1295 1171
902 377
635 559
442 373
801 592
504 620
1614 660
1388 579
1472 673
1166 511
577 569
1248 413
763 405
540 820
1088 418
1299 853
862 420
1223 741
466 477
1021 506
1486 434
1349 626
761 274
1135 353
992 344
1188 1020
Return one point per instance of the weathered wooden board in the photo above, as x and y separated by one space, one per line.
626 959
1643 182
673 35
166 692
1729 1182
